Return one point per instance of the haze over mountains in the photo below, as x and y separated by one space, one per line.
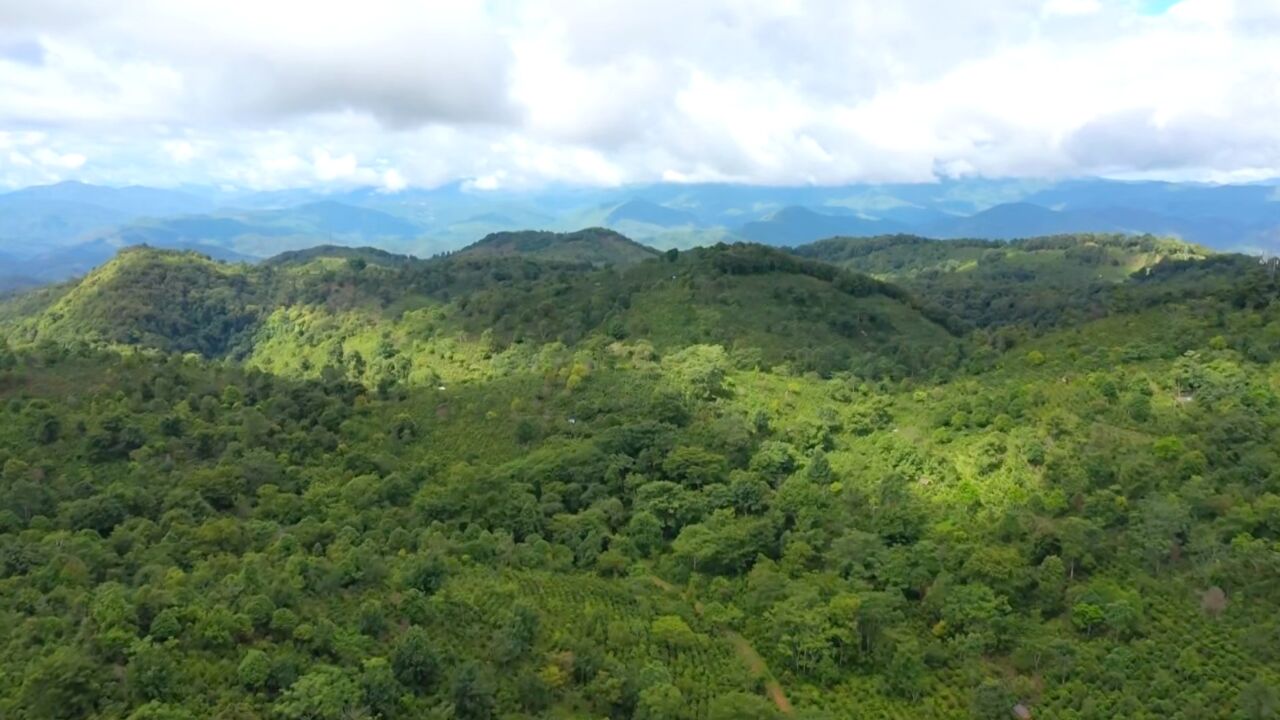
52 232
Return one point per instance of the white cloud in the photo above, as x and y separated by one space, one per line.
180 151
1072 7
53 159
328 167
392 93
393 181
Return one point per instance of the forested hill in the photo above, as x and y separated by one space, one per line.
338 252
1038 282
764 305
721 484
1061 257
596 246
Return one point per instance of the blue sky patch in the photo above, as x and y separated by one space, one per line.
1157 7
27 52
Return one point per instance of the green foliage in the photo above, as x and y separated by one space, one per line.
503 487
473 692
415 661
254 670
741 706
1039 282
323 694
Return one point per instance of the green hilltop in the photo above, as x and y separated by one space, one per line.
594 246
763 305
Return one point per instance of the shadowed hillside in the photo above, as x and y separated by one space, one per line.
1037 282
763 304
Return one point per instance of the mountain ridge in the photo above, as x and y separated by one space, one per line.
596 246
426 222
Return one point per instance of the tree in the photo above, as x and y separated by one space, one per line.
322 694
970 608
741 706
1162 521
991 701
1259 701
877 612
379 687
645 532
160 711
62 685
661 702
724 543
694 467
801 629
114 618
48 428
1000 567
153 672
906 673
254 670
819 468
8 360
1079 539
673 632
166 624
516 639
700 369
415 661
424 572
473 692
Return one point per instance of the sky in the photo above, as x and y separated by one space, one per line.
269 94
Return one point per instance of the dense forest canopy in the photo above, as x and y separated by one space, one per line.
881 478
1037 282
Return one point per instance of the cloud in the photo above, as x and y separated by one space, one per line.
328 167
244 60
1072 7
395 93
53 159
393 181
181 151
1137 141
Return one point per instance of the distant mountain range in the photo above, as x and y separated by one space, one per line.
643 211
57 231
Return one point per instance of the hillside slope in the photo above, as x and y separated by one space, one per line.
766 306
1037 281
167 300
741 296
649 213
794 226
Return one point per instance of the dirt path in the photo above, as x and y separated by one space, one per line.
756 665
663 584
